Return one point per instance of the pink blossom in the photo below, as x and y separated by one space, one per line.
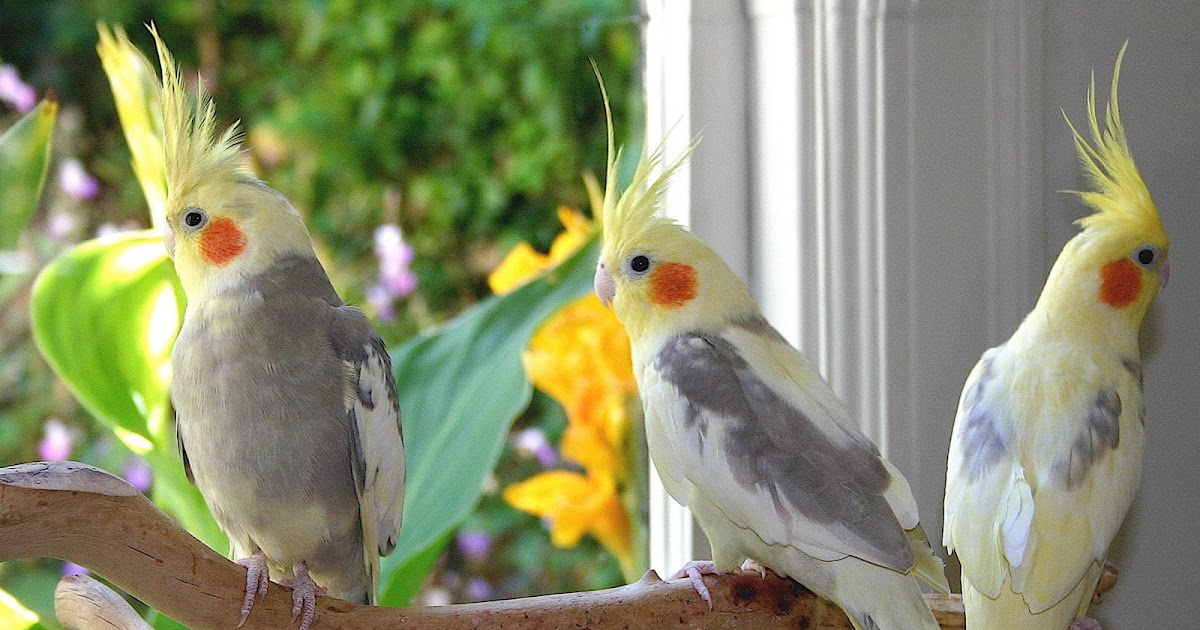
533 442
15 91
76 181
138 474
57 441
395 256
381 301
70 568
474 544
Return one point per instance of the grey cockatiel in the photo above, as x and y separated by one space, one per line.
285 399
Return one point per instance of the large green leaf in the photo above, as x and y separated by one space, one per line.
24 157
460 389
105 315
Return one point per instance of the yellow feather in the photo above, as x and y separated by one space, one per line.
1120 198
194 153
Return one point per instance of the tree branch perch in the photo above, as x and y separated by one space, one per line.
79 513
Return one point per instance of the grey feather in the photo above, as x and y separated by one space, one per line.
984 443
1101 433
771 445
261 408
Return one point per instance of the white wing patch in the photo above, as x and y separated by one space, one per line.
1018 517
379 469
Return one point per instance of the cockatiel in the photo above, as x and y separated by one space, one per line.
287 413
746 433
1047 447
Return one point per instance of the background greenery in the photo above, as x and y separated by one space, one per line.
466 123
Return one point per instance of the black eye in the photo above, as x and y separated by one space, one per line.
194 217
639 263
1146 256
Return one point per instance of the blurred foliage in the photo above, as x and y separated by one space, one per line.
465 123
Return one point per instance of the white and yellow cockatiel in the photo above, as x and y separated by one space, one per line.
746 433
286 404
1047 447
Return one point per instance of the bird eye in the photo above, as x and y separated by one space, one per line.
637 264
1146 255
194 218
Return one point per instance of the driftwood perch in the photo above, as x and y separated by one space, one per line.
82 514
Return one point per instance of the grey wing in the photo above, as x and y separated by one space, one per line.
378 445
798 477
187 465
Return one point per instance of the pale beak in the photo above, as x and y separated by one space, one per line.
606 289
1164 273
169 241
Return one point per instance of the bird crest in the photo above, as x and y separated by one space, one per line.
634 213
1119 196
194 151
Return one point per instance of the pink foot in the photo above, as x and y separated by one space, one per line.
1085 623
257 577
695 571
304 595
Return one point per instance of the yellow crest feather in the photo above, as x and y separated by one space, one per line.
636 210
1119 195
194 153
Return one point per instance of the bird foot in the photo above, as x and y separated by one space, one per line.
304 595
257 578
1085 623
751 565
1108 579
695 570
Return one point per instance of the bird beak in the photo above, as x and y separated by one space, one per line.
169 241
1164 273
606 289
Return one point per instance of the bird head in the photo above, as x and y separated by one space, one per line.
1118 261
222 223
658 277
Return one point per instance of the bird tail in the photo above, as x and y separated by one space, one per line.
1009 611
930 568
876 598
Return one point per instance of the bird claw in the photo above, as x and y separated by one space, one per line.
752 565
695 571
1108 579
1085 623
257 578
304 595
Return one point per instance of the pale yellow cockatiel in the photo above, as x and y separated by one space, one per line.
1047 447
744 431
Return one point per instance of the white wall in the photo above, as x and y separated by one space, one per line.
884 175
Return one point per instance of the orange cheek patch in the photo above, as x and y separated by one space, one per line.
1120 283
672 285
222 241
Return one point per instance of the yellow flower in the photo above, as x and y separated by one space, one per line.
524 263
581 358
575 505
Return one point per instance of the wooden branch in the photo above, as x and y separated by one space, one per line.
79 513
82 603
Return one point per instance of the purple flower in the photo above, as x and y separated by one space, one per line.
76 181
57 439
15 91
479 590
138 474
394 258
70 568
474 544
61 225
381 300
533 442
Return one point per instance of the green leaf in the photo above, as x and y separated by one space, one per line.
14 616
24 158
105 315
408 577
460 390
